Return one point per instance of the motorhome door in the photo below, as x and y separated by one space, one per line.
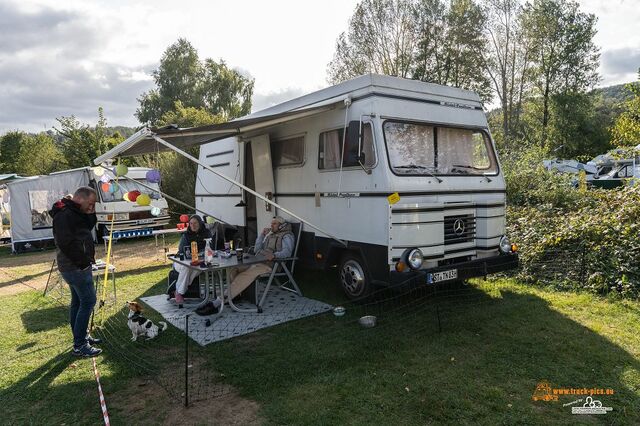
263 178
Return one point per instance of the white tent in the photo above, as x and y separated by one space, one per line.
32 198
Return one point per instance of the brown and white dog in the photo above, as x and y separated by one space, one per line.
141 326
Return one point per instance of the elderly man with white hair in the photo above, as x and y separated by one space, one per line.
274 242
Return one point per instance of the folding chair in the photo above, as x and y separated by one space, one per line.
282 269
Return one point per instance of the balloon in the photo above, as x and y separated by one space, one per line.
113 188
153 176
121 170
104 179
210 219
125 196
98 171
184 218
143 200
105 187
155 211
133 195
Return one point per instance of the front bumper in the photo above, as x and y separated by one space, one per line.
473 268
130 225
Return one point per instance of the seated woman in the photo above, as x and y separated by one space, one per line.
195 232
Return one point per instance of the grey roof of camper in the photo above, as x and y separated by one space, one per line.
332 97
375 83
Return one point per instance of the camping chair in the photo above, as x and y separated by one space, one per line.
282 269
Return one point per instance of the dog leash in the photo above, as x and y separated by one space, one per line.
103 403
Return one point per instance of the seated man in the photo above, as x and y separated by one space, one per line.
274 242
195 232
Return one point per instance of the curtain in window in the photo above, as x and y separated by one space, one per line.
331 143
454 148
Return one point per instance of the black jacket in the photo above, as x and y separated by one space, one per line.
199 237
72 234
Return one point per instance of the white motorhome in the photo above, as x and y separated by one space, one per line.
31 199
404 172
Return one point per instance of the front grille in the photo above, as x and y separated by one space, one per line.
459 229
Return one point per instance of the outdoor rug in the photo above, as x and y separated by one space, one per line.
280 306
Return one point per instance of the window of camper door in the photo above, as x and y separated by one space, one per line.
287 152
423 149
330 149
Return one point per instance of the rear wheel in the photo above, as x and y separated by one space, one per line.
354 277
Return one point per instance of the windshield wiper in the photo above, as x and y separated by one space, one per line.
418 167
462 166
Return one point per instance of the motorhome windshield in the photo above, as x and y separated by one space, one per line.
125 186
422 149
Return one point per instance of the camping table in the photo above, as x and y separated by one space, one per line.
214 276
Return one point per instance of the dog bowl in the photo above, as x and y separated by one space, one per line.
367 321
338 311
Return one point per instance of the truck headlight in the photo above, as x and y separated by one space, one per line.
415 258
505 245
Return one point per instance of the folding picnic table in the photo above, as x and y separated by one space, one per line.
217 276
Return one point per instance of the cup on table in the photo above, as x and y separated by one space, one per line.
239 252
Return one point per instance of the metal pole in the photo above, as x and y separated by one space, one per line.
249 190
49 278
186 361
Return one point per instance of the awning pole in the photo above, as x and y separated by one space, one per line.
249 190
167 196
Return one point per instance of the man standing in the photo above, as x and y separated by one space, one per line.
73 221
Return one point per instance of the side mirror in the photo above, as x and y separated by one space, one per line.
361 158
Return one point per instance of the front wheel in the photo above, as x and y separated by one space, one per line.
354 277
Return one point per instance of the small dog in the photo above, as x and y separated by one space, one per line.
141 326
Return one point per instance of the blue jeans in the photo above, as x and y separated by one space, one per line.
83 299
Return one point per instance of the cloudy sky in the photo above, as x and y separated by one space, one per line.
59 58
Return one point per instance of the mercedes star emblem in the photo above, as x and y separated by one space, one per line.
458 227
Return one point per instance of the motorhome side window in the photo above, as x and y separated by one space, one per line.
330 151
287 152
416 148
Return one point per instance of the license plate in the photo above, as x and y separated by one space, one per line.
143 221
442 276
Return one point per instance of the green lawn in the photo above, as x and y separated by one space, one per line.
496 341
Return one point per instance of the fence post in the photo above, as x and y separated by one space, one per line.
186 361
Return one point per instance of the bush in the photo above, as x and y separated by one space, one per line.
588 241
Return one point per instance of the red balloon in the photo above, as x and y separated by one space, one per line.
105 187
184 218
133 196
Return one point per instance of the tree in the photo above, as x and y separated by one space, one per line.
39 155
574 127
506 60
82 143
182 77
563 56
10 150
381 39
451 45
626 130
178 173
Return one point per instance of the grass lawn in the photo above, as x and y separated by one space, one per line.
496 341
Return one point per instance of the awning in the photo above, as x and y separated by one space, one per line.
143 142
